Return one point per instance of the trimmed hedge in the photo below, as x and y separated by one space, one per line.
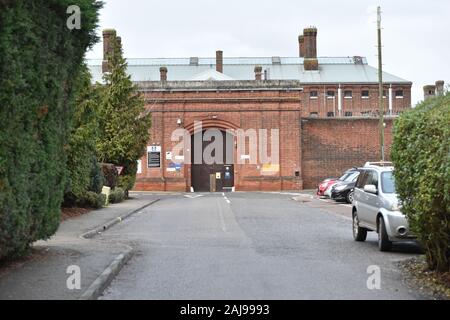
40 60
421 155
117 195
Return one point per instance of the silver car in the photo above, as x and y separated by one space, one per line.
376 206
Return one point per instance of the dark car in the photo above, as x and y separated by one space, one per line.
344 189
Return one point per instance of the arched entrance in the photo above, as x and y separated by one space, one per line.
212 160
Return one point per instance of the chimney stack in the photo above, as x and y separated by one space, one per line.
163 74
440 88
108 35
310 47
301 44
219 61
429 92
258 73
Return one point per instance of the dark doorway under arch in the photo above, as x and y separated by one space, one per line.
215 177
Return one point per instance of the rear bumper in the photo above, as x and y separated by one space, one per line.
397 226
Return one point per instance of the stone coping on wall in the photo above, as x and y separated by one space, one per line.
244 85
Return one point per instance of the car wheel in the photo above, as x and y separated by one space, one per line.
359 234
349 197
384 244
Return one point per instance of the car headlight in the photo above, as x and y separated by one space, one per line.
395 206
340 188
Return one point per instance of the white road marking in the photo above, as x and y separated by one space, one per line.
222 219
193 197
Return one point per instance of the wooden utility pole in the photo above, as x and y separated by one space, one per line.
380 85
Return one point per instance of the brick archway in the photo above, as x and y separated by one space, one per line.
211 124
213 177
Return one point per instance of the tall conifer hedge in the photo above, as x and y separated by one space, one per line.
421 154
39 62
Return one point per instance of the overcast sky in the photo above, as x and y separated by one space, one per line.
415 32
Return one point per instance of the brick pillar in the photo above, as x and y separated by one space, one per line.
428 92
258 73
301 45
440 88
108 35
163 74
219 61
310 39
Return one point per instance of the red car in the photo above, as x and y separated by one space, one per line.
324 186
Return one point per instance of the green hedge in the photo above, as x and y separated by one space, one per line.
40 59
421 155
117 195
84 172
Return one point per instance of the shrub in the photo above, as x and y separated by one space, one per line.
40 60
117 195
110 175
421 155
91 200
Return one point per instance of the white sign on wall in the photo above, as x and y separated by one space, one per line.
154 149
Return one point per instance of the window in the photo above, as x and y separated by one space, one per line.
314 114
384 93
330 114
372 178
313 94
399 94
330 94
361 182
348 94
352 177
365 94
348 114
388 182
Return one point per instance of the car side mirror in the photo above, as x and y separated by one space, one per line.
370 188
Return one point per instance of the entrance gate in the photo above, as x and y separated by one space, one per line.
216 177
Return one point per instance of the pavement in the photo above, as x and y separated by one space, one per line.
44 276
253 246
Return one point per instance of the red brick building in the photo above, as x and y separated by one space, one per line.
324 110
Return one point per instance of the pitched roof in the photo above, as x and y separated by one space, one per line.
331 70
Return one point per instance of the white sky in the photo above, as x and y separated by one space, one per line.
415 32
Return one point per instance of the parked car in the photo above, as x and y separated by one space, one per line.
343 190
324 188
376 207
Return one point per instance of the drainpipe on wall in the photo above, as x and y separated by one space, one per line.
390 100
340 101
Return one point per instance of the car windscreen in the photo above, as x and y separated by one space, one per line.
344 176
352 176
388 182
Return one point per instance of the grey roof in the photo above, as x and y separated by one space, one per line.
332 70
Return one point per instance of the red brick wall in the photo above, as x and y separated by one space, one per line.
331 146
270 109
356 105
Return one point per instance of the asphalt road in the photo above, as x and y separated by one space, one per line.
251 246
